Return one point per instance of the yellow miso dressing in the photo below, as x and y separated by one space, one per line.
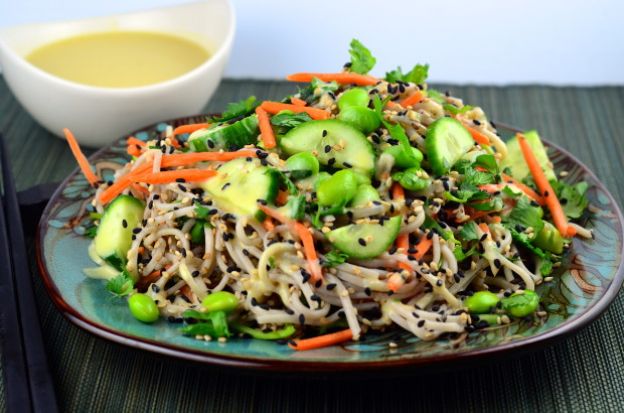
119 59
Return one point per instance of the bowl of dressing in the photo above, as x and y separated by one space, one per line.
104 77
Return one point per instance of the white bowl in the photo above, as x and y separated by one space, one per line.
98 115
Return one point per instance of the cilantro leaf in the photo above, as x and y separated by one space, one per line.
418 74
468 232
285 182
362 61
286 120
546 266
308 93
236 109
526 215
120 285
91 232
487 162
213 324
436 96
334 258
572 197
201 211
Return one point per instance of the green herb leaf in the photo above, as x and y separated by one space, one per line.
526 215
285 182
572 197
286 120
91 231
334 258
213 324
487 162
436 96
236 109
120 285
308 93
201 211
362 61
418 74
468 232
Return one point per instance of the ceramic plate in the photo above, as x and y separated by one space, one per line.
583 286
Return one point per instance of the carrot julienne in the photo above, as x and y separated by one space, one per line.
266 130
478 137
134 141
412 99
491 188
298 102
524 188
268 224
190 128
164 177
276 107
548 194
83 163
322 341
422 247
306 239
343 78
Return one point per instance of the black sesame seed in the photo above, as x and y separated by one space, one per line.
331 161
124 223
133 237
563 201
367 291
195 273
421 323
497 263
546 193
210 143
429 234
327 148
362 242
301 319
483 237
262 201
136 230
325 134
183 252
315 297
318 284
182 187
225 186
289 311
155 288
439 283
180 180
476 122
347 165
330 286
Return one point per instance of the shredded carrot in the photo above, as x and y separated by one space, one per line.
134 141
115 189
174 142
496 219
395 282
134 150
268 224
524 188
282 198
306 239
393 105
343 78
141 189
266 130
397 191
83 163
185 159
484 227
422 247
144 282
322 341
491 188
141 249
478 137
412 99
402 242
165 177
276 107
548 194
297 101
190 128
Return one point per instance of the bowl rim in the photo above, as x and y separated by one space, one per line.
222 50
559 332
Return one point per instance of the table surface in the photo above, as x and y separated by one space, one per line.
582 373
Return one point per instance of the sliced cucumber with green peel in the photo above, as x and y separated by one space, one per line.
229 137
515 159
446 142
240 183
335 143
364 241
114 234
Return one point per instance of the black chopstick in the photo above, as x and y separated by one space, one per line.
42 394
13 358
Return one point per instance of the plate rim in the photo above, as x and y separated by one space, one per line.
559 332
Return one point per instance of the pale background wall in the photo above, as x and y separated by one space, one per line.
478 41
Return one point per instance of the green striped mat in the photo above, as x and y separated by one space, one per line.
584 373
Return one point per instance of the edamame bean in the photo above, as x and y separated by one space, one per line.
362 118
410 179
357 97
481 302
405 159
521 304
339 189
143 308
365 194
302 165
220 301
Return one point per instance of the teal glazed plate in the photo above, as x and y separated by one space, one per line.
588 280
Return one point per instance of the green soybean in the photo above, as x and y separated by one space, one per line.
405 159
356 97
410 179
302 165
339 189
481 302
521 304
365 194
143 308
362 118
220 301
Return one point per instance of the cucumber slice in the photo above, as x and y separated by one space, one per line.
229 137
515 160
320 135
446 142
240 183
365 241
114 234
549 239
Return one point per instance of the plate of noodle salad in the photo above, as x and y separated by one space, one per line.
360 221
